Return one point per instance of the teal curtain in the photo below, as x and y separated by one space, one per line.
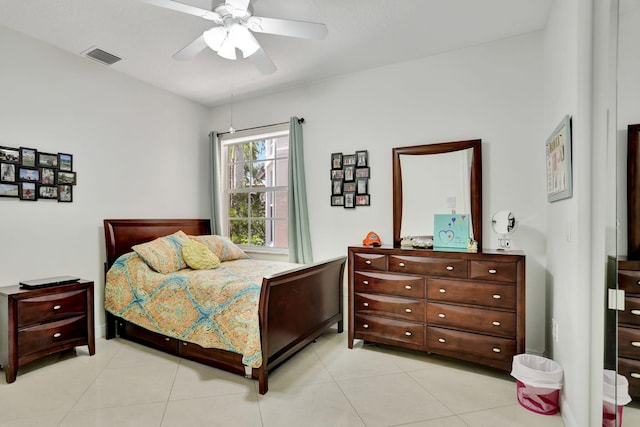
216 177
299 235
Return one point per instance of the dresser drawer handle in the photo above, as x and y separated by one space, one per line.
492 271
368 262
497 296
442 340
408 333
408 310
57 335
167 339
442 315
635 375
366 304
636 312
184 343
401 264
450 267
635 343
442 291
407 286
57 307
365 282
638 282
496 323
496 350
366 326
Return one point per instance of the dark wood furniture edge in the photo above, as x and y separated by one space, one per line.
633 192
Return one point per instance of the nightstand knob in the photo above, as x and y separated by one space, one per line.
167 339
368 262
401 264
497 296
408 333
442 315
365 282
492 271
407 310
57 307
442 340
184 343
57 335
366 304
450 267
496 350
366 326
496 323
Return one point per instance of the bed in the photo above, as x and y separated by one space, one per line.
294 306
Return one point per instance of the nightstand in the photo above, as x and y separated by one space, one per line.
38 322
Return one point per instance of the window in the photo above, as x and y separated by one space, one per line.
255 193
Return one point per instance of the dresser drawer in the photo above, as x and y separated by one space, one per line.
484 294
500 323
50 335
389 329
629 281
630 369
51 307
484 347
399 308
392 284
631 313
493 271
369 262
629 343
443 267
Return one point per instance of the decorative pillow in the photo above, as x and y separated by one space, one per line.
164 254
222 246
198 256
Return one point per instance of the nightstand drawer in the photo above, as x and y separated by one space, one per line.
400 308
50 335
493 271
500 323
392 284
484 294
443 267
51 307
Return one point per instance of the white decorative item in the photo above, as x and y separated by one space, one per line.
504 224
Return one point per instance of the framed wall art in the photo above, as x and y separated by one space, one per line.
9 155
9 190
28 191
350 175
559 167
28 157
7 172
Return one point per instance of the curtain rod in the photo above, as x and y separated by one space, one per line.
300 120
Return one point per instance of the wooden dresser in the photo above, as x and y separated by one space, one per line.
629 324
469 306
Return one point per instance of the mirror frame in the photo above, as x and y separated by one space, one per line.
475 184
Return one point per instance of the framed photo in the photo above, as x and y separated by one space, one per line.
337 200
362 159
28 191
349 173
47 176
361 185
28 174
349 160
47 160
28 157
558 152
7 172
362 172
9 190
65 162
363 200
349 187
336 187
337 174
48 192
65 193
65 177
349 200
336 161
9 155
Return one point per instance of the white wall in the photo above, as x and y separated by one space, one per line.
492 92
138 152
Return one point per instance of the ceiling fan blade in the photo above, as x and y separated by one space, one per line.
184 8
286 27
238 4
262 62
190 50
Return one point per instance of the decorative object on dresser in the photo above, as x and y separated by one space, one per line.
40 321
504 224
350 175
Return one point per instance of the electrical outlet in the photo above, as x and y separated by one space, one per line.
554 330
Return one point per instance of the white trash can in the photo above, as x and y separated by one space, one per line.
615 394
538 383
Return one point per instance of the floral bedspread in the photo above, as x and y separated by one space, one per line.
213 308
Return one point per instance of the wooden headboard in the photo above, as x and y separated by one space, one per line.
121 234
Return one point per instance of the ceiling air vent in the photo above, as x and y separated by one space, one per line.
101 56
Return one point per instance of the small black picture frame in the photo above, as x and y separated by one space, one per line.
349 200
363 200
28 191
28 156
65 162
362 185
48 192
65 193
362 159
9 190
349 173
47 160
28 174
337 200
336 160
362 172
63 177
336 187
47 176
7 172
349 187
10 155
337 174
349 160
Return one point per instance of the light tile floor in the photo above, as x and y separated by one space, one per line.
326 384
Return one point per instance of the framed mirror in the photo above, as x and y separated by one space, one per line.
436 178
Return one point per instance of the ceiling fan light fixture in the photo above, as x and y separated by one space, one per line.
228 49
215 37
244 40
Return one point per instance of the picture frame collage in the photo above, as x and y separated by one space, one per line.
29 174
350 174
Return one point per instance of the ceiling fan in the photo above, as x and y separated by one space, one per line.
233 30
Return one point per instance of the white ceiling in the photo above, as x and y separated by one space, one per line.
363 34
